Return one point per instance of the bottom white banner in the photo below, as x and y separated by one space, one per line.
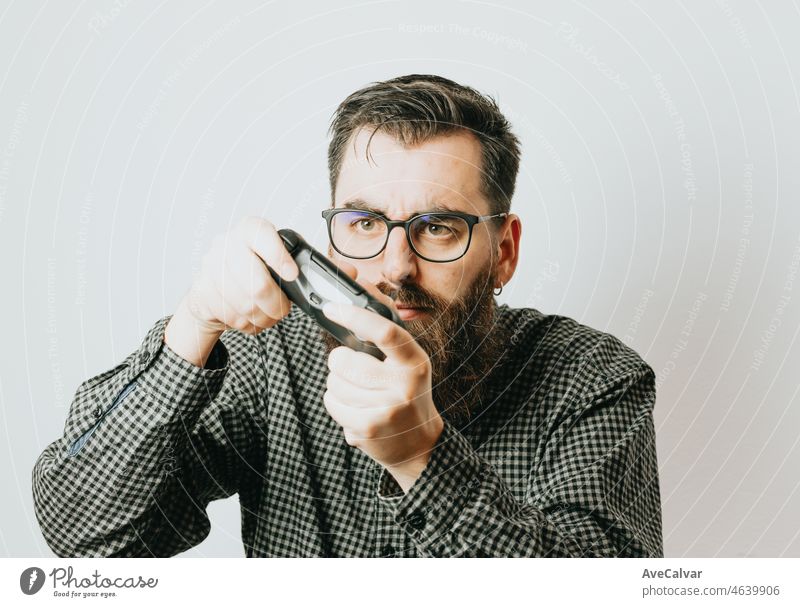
30 581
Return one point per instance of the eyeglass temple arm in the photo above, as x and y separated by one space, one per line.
488 217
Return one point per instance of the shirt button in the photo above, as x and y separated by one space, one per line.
144 357
387 550
416 520
98 412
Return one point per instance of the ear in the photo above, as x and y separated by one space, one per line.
508 248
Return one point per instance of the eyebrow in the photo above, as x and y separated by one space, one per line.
362 205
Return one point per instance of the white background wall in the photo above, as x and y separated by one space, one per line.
658 192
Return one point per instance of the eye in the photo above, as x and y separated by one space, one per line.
365 224
434 227
437 229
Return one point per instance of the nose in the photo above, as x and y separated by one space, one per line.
399 260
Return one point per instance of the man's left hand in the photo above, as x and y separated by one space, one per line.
384 407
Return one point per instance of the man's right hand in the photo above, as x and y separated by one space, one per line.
233 291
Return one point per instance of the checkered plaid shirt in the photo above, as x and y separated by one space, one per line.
559 461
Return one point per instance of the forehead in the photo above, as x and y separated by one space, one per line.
443 171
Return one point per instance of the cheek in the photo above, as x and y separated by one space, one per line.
369 270
448 281
454 280
365 267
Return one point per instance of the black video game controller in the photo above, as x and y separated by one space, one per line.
320 281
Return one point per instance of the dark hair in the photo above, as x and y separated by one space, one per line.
418 107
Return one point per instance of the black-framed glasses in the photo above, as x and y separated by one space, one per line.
439 237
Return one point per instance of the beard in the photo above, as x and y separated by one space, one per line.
461 339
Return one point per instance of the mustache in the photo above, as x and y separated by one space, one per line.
412 295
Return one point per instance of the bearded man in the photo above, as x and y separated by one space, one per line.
485 431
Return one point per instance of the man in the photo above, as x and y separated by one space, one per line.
486 430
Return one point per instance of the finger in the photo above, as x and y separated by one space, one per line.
262 237
230 317
393 340
356 421
227 304
262 290
363 370
238 298
355 395
349 438
342 413
265 302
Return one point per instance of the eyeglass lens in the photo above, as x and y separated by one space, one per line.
438 237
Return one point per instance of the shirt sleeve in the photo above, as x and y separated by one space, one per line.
594 492
146 446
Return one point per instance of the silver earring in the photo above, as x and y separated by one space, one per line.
498 291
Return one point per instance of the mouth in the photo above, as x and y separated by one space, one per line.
410 312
